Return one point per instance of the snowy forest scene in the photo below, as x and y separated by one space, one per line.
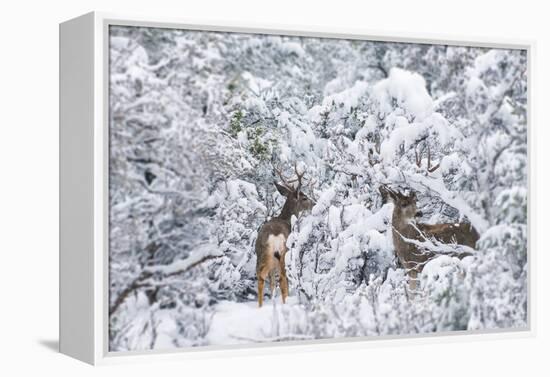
269 188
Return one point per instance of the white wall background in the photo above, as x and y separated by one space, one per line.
29 183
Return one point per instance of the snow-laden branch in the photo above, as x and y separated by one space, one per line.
451 198
444 98
435 246
202 254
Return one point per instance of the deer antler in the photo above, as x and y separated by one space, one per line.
285 180
418 159
288 182
298 176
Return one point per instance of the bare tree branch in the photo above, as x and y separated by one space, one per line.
140 281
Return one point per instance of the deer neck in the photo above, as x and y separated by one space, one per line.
286 213
400 222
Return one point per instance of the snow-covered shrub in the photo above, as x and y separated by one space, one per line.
497 279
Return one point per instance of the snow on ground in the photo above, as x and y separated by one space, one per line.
244 322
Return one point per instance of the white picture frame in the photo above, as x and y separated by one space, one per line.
84 189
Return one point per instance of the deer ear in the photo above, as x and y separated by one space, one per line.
282 189
386 194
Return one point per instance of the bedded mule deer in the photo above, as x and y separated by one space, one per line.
271 241
409 236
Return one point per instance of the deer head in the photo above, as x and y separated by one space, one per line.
404 205
296 200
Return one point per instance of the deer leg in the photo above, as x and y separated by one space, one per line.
261 283
262 274
272 283
283 282
413 280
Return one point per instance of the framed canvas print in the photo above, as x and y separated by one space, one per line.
225 187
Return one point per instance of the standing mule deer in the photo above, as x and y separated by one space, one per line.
271 241
409 236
